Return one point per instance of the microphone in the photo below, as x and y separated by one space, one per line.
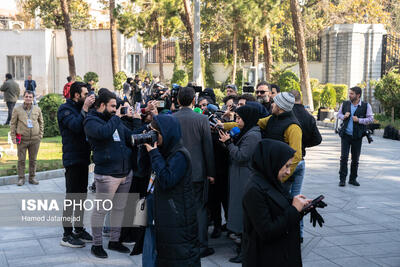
212 108
198 110
234 132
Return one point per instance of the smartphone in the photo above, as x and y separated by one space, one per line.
312 204
137 108
161 104
124 110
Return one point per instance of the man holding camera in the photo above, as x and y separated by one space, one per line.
355 115
196 135
110 141
76 159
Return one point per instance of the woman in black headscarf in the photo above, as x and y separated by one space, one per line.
240 153
271 217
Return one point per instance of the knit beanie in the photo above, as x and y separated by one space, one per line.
285 101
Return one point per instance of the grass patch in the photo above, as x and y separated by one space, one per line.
49 156
386 120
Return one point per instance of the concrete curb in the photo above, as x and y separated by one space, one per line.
45 175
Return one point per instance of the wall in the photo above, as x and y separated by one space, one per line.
32 43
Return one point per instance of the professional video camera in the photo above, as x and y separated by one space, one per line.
149 137
197 89
248 89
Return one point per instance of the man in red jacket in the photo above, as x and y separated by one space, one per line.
67 87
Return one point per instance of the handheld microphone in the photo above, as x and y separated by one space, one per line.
234 132
212 108
198 110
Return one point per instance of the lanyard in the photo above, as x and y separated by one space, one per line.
29 114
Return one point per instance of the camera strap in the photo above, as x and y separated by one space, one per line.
150 187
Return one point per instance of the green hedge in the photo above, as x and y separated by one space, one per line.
289 81
328 96
49 105
119 79
387 91
180 77
341 92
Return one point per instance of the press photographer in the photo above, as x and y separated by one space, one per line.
174 209
355 115
112 155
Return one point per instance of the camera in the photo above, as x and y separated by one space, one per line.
368 134
248 89
124 110
149 137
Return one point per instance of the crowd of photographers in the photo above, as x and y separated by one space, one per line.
190 158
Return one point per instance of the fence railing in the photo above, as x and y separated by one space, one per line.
390 53
221 51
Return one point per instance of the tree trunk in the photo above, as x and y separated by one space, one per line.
160 53
267 54
188 20
113 32
234 55
392 115
301 51
255 59
68 35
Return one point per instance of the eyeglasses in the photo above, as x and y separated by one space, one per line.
204 105
260 92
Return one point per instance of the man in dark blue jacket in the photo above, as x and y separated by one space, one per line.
112 156
76 159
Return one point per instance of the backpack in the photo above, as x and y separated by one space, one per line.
391 133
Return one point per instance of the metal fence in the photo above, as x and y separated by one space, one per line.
390 53
221 51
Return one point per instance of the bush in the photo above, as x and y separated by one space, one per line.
119 80
387 91
219 95
78 78
49 105
289 81
341 92
180 77
328 96
316 95
91 76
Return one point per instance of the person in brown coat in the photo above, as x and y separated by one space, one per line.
27 129
11 94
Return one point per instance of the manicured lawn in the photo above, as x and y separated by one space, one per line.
49 156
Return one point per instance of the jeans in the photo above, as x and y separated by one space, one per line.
294 187
149 246
348 142
10 106
115 189
76 182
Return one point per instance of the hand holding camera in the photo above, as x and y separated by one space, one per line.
346 115
89 101
150 147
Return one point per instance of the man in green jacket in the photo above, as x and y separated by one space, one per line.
11 94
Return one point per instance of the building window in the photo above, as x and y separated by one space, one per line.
19 66
133 63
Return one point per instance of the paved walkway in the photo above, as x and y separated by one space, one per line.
362 224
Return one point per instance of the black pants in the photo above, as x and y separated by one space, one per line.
76 182
349 143
218 194
10 106
200 190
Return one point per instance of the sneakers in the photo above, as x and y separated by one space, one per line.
72 242
117 246
354 182
99 252
84 236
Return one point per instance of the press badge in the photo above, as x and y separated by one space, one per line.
29 123
116 136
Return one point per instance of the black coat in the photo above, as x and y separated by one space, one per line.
76 149
311 135
271 227
174 206
111 143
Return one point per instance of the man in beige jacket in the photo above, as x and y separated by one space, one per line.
27 124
